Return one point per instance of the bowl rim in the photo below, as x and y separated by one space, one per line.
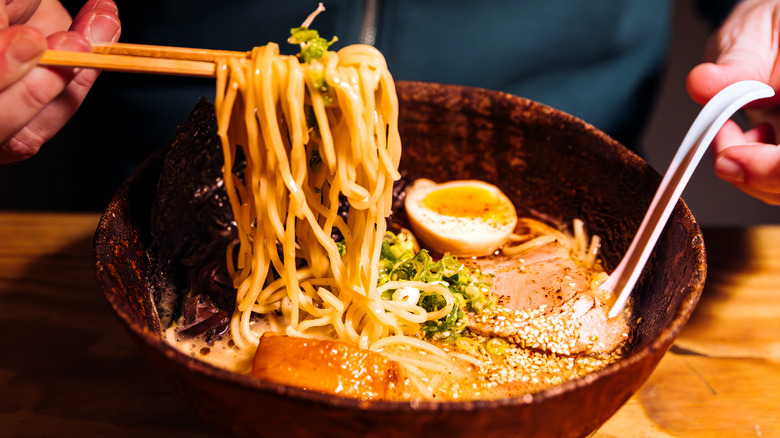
637 356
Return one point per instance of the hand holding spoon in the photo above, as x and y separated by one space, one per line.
709 121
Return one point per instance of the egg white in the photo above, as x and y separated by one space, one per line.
458 235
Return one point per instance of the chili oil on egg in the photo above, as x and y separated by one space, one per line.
463 218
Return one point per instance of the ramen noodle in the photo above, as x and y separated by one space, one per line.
320 130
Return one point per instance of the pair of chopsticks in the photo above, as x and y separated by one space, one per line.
139 58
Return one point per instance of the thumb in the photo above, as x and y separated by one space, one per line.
20 49
705 80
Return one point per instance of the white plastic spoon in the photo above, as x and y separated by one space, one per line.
709 121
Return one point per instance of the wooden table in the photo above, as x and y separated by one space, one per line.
67 367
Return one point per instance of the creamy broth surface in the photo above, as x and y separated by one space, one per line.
487 362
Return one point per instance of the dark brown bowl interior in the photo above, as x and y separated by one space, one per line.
548 163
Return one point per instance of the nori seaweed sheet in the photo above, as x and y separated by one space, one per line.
191 220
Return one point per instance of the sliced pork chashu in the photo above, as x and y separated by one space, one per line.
546 275
545 303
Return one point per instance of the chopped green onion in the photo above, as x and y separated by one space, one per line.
496 346
313 47
470 287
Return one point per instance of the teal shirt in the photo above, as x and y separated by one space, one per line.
597 60
594 59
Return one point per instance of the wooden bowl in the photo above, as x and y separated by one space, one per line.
548 163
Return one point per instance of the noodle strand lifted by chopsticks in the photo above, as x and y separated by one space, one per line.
305 146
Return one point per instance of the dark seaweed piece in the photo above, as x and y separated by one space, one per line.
191 222
202 317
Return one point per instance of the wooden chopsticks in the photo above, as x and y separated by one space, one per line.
139 58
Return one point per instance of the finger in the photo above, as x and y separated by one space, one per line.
705 80
761 133
731 135
29 95
98 22
97 5
766 197
20 49
756 166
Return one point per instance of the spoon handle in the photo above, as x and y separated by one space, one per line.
709 121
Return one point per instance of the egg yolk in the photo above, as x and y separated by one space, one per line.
471 202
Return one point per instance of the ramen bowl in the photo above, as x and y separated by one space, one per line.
551 165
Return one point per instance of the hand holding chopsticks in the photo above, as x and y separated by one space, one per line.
36 103
138 58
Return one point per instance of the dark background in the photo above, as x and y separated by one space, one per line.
76 163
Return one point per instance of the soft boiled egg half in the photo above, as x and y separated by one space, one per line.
463 218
